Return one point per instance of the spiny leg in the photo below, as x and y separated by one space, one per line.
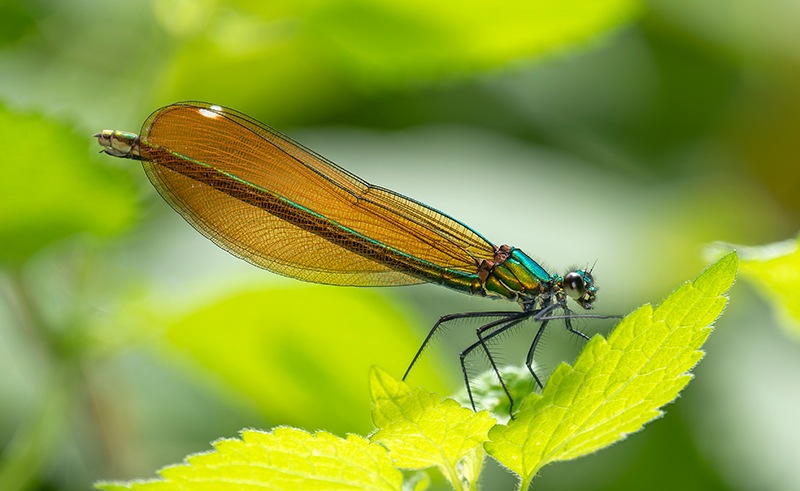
532 350
568 324
449 318
544 316
497 327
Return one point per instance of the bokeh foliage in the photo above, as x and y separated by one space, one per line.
631 133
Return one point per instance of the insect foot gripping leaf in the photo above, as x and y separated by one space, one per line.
422 430
617 384
283 459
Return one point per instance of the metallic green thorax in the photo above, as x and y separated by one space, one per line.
516 275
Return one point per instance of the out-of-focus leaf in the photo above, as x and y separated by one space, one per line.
35 441
417 481
405 41
488 394
16 20
51 188
619 384
283 459
294 351
327 49
775 271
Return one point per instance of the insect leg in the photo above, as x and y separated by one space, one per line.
449 318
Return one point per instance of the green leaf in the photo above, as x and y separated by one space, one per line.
51 188
416 481
619 384
774 269
489 394
328 49
470 467
430 39
283 459
422 430
17 19
294 350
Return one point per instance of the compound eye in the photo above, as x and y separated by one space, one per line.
574 285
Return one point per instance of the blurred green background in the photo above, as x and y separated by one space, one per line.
628 133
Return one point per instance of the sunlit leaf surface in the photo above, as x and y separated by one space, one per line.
283 459
422 430
619 384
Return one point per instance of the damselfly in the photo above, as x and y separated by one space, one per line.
278 205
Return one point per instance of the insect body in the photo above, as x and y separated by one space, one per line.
278 205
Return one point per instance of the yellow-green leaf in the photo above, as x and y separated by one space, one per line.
431 39
422 430
270 347
619 384
328 50
775 271
283 459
